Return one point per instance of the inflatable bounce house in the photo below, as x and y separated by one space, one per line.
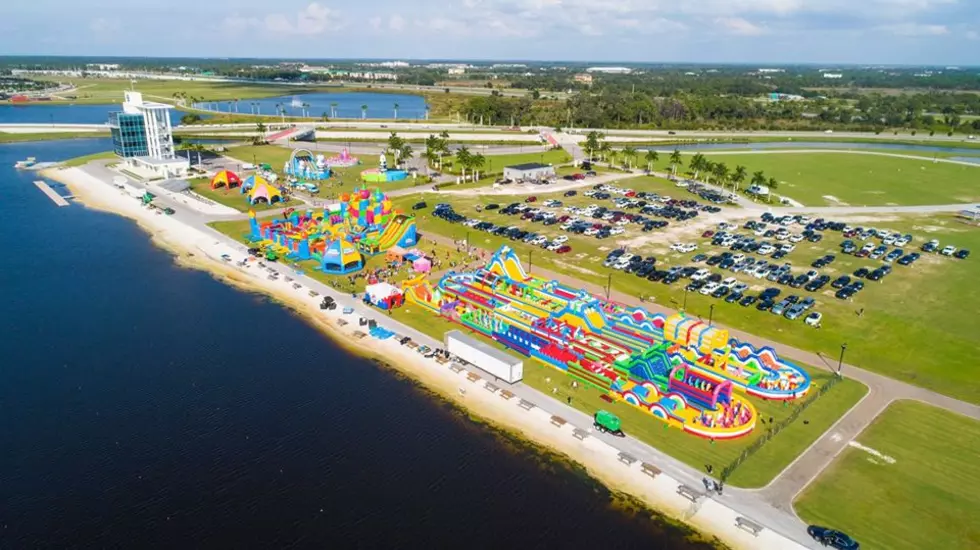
343 160
303 165
257 189
339 236
679 369
382 174
383 295
226 179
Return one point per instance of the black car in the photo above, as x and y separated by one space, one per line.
862 273
841 282
419 205
491 206
733 297
747 301
962 254
832 538
765 305
571 193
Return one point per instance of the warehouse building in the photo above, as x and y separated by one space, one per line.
529 172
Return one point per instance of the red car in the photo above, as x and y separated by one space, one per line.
532 198
563 219
578 176
564 249
708 234
631 193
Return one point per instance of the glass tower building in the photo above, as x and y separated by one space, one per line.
128 134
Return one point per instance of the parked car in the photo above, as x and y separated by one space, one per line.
419 205
532 198
832 538
813 319
962 254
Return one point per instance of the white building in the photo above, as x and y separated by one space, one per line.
143 137
609 70
833 75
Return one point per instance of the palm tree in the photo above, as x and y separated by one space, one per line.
721 173
605 150
697 164
405 152
773 185
333 110
612 155
476 162
593 143
427 107
396 111
651 157
675 159
464 158
758 178
363 112
324 117
444 135
738 177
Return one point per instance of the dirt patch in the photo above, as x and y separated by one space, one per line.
835 200
574 267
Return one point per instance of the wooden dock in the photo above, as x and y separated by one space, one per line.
46 189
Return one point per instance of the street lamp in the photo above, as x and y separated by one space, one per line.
711 313
467 242
684 307
608 286
840 361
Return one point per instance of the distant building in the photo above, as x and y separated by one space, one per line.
455 71
833 75
529 171
143 137
584 78
609 70
785 97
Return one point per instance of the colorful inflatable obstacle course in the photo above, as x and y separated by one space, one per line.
304 165
382 174
677 368
339 236
343 160
227 179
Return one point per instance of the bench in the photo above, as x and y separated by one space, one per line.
359 335
490 387
341 322
748 525
473 377
580 434
558 421
526 405
650 469
689 493
627 459
506 395
456 368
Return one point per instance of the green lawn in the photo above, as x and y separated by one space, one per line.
928 498
922 317
341 180
233 197
108 90
8 137
495 163
860 180
79 161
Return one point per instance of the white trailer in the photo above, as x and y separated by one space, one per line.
487 358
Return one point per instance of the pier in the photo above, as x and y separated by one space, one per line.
44 187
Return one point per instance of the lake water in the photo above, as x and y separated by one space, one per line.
761 146
149 406
379 105
40 113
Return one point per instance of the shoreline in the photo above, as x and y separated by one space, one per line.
707 521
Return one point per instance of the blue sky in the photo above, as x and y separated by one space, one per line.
754 31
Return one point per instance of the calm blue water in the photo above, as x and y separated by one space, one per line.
379 105
813 145
145 405
39 113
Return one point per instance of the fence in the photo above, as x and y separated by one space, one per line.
774 429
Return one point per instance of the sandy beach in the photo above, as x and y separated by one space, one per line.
198 249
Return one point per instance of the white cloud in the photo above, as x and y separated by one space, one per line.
396 22
914 29
740 26
314 19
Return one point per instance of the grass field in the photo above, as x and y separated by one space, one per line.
342 179
79 161
921 316
8 137
928 497
233 197
817 179
495 163
108 90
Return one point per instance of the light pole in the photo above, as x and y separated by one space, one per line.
608 286
711 313
840 361
684 307
529 252
467 242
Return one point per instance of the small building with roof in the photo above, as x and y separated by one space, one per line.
529 171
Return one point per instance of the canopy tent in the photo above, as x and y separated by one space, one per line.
259 189
383 295
225 178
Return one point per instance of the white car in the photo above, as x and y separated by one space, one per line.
539 240
591 231
948 251
682 184
552 246
766 249
700 275
709 288
738 258
729 281
617 231
685 248
787 248
813 319
676 247
561 239
739 287
795 238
